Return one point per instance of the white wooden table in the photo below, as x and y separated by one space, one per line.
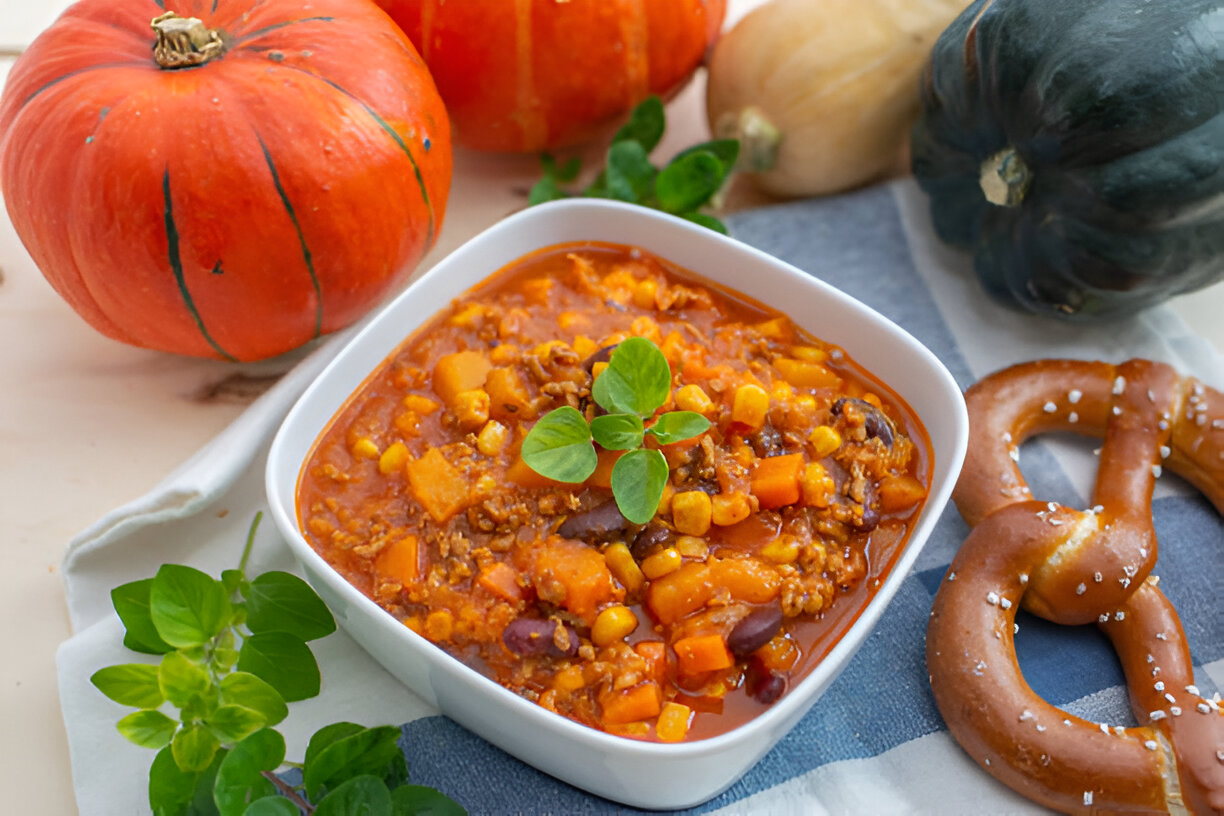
87 424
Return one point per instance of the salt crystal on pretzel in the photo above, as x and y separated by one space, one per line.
1170 762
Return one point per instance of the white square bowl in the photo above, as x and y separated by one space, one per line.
638 773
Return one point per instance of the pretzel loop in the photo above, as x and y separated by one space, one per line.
1071 566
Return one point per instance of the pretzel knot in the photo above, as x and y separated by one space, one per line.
1080 566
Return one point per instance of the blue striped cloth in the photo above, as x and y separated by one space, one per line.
874 743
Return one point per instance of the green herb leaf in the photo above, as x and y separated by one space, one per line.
244 688
689 181
545 189
240 779
181 679
130 684
647 122
194 747
282 602
173 792
636 381
707 221
328 734
233 580
629 175
564 172
638 479
617 431
283 661
188 607
272 806
148 729
231 723
559 446
418 800
725 150
369 751
359 796
131 602
676 426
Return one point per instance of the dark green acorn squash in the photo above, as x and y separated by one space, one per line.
1077 147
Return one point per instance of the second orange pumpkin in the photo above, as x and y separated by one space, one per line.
526 75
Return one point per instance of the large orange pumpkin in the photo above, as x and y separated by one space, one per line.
520 75
273 187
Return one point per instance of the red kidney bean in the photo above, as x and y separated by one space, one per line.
754 630
654 536
762 684
537 636
874 422
603 522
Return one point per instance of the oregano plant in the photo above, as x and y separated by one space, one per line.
635 384
234 653
681 187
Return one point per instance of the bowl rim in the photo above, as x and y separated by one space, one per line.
801 696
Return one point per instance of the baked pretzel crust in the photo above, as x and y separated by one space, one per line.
1079 566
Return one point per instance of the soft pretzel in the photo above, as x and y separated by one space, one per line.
1078 566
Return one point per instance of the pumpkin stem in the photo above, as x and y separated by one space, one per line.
1005 178
183 42
759 138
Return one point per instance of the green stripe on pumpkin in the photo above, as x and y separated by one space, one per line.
306 256
176 266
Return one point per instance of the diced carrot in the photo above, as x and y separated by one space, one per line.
574 576
678 593
399 561
437 484
602 476
900 492
775 481
779 654
459 372
502 580
747 579
640 702
702 653
508 396
654 652
806 374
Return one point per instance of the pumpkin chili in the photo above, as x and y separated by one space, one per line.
775 528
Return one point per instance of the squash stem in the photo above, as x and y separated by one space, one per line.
759 138
1005 178
184 42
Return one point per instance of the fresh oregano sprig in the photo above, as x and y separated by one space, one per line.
234 653
682 187
636 383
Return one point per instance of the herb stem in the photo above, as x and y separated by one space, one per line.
289 792
246 551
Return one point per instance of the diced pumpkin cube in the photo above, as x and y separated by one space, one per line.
502 580
900 492
680 592
702 653
437 485
459 372
508 395
602 475
775 481
573 576
399 562
522 475
747 579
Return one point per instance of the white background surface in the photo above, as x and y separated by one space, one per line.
87 424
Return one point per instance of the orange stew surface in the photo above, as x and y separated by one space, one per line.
775 528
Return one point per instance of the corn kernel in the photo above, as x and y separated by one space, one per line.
492 438
439 625
817 485
661 563
408 423
645 327
420 404
669 493
872 399
544 350
774 329
673 722
825 439
694 398
584 346
472 408
750 405
393 459
644 293
413 622
622 566
597 369
691 512
781 391
570 319
613 624
569 679
485 486
805 404
504 354
364 448
782 550
729 508
809 354
548 700
468 317
692 547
